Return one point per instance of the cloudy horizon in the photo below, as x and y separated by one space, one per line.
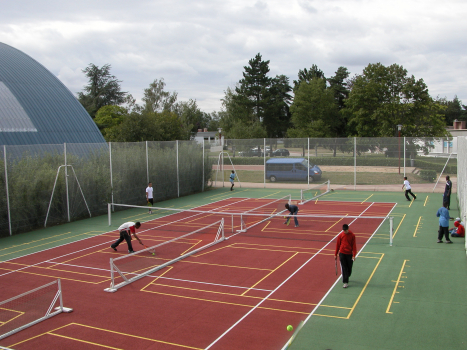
200 48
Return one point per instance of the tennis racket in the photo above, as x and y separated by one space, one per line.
336 265
152 251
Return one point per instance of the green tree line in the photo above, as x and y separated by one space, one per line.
370 104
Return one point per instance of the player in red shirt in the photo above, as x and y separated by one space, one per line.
458 230
346 247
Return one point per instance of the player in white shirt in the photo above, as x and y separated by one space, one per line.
126 230
149 196
408 189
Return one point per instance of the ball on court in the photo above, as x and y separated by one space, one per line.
289 328
153 254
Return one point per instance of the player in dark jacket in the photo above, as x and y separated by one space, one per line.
293 212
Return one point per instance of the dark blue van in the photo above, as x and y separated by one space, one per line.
291 169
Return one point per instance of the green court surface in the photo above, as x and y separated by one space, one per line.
411 295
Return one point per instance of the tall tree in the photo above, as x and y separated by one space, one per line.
156 99
103 89
383 97
109 117
277 115
307 75
253 88
453 110
314 111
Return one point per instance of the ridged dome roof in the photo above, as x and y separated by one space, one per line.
36 108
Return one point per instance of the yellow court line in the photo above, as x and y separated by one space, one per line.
192 246
152 281
31 242
40 245
395 287
269 274
426 201
270 195
366 199
78 257
40 335
84 341
61 277
51 269
335 224
400 223
416 228
366 284
227 303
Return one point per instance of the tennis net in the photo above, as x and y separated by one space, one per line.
27 309
127 269
314 192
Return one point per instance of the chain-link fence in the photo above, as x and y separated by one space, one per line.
376 163
62 183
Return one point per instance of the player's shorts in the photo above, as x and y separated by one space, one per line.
151 200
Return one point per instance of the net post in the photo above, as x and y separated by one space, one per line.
109 213
391 225
301 196
60 293
329 186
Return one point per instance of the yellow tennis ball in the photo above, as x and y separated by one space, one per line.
289 328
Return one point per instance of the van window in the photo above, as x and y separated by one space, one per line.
300 166
279 167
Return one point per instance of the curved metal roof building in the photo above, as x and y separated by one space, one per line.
36 108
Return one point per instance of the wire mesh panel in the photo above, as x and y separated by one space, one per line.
4 219
128 161
162 160
190 165
89 186
29 308
32 171
129 268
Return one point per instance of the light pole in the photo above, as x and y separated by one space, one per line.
399 127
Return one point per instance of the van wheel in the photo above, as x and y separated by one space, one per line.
272 178
311 179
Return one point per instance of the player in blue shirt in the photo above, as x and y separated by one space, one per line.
293 211
443 214
232 178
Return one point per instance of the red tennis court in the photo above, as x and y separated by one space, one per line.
240 293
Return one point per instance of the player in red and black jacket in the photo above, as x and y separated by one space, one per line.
346 247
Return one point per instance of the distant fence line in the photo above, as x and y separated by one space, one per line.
83 178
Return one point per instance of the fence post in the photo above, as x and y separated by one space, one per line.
147 163
6 188
308 175
111 177
178 178
355 163
404 155
202 185
66 185
264 163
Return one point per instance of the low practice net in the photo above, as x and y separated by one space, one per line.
314 192
29 308
270 220
130 268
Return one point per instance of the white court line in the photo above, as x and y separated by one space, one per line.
168 278
78 251
280 285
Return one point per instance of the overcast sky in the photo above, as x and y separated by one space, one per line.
200 47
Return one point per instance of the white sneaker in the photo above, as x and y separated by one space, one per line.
345 285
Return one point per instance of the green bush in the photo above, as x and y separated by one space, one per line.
428 175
